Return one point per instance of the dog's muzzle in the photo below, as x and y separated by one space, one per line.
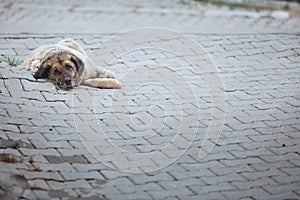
68 83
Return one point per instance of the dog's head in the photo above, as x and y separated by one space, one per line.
63 68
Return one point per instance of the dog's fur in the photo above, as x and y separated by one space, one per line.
68 64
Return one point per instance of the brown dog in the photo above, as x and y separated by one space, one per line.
67 64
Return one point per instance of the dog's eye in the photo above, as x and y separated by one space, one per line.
68 67
57 72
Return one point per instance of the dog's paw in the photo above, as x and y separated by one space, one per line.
109 83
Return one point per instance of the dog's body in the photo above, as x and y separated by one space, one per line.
67 63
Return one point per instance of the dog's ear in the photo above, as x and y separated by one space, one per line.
42 72
78 63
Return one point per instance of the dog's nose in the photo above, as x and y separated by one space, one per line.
68 81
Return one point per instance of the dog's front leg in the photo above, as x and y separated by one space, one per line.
107 83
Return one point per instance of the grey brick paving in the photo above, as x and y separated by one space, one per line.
256 157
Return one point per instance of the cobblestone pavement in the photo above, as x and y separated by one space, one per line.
46 134
257 156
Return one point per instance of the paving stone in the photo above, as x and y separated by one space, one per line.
71 176
226 178
38 184
205 189
42 175
253 193
30 84
284 188
286 179
29 194
58 137
56 167
9 127
81 167
66 159
49 123
277 158
40 194
135 195
66 193
261 174
228 170
239 162
188 174
286 194
253 183
252 153
69 185
65 131
44 144
268 166
36 129
290 170
166 185
169 193
39 158
109 191
32 152
142 178
76 153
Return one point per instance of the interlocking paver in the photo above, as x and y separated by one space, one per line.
42 175
32 152
92 175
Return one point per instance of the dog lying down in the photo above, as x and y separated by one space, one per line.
67 64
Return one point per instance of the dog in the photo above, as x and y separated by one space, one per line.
67 64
